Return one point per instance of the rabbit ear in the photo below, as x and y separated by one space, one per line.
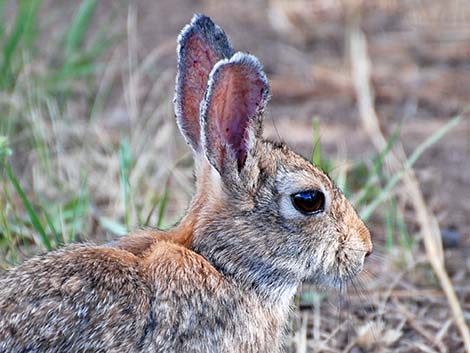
201 45
231 111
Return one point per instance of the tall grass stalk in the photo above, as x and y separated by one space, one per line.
386 191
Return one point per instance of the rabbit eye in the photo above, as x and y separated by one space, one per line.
309 202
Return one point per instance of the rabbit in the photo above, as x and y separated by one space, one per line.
262 221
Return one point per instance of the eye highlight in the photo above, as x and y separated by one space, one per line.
309 202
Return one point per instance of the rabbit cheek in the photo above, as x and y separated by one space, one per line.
350 260
357 244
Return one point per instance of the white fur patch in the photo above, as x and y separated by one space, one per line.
287 209
216 179
293 182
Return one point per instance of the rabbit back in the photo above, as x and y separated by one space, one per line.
95 298
76 299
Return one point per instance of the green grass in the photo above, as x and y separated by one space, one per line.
44 201
29 219
393 181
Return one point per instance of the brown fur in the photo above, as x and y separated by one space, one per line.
220 281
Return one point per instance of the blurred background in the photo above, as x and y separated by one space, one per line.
375 92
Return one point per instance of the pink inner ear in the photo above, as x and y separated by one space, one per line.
235 100
197 66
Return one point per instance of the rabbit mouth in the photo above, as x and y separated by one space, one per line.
338 279
350 264
338 272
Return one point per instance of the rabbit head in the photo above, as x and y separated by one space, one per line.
262 214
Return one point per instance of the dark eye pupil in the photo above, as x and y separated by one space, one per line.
309 202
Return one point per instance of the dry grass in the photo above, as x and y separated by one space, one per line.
430 230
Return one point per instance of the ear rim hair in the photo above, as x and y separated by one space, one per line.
218 42
254 127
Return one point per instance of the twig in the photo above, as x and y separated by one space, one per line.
441 333
417 294
419 328
360 62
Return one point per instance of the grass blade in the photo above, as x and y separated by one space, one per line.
24 28
29 208
30 27
2 18
113 226
155 202
378 163
316 153
5 151
79 27
162 205
8 241
125 165
74 65
390 224
50 223
393 181
79 208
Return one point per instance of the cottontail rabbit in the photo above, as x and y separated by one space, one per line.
263 220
